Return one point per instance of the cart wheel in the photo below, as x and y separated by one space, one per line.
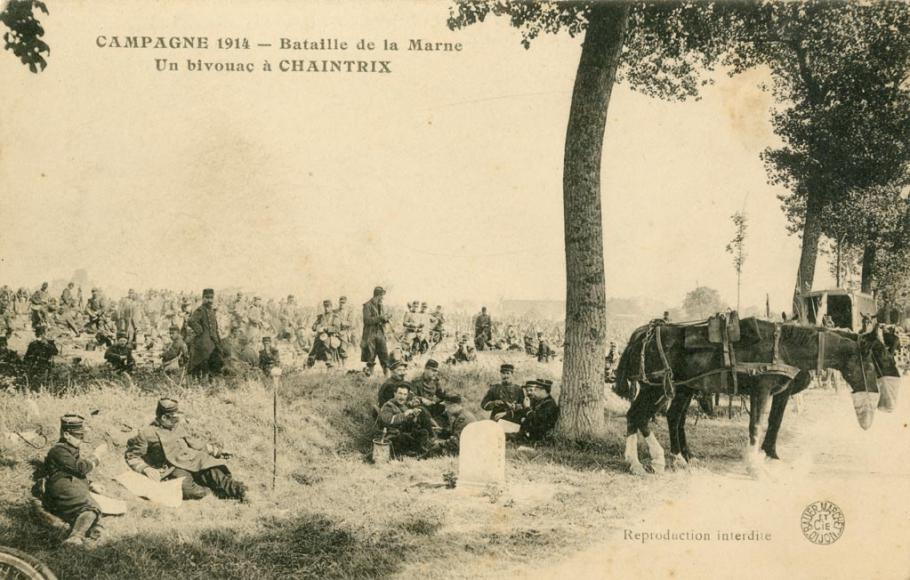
16 565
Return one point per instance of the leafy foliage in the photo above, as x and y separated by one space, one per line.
702 303
25 32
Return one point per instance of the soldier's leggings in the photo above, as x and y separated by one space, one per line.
217 479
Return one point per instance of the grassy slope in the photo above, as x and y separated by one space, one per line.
333 514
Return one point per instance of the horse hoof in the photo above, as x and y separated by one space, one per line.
658 468
638 469
678 462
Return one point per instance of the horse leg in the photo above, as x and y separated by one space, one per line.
760 396
778 407
637 418
676 417
681 428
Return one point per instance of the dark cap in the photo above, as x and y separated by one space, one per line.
326 302
378 291
507 368
122 334
174 327
208 292
432 364
167 407
398 364
266 338
72 424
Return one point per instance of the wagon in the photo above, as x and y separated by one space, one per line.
845 307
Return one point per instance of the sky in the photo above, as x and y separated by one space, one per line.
441 181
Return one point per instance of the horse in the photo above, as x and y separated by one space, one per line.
772 362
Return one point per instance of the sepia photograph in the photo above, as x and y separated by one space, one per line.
454 289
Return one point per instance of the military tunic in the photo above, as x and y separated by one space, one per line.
498 399
539 421
205 350
66 485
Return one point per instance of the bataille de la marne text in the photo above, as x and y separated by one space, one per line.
239 44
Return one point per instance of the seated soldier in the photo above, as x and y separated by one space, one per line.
9 359
407 428
269 357
426 391
40 352
66 486
120 354
541 412
175 355
163 450
465 352
387 389
505 399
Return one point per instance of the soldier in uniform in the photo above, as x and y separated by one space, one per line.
175 355
327 345
483 330
163 450
255 320
66 487
120 354
437 325
6 315
544 352
541 413
128 317
427 391
387 390
39 353
345 318
206 355
408 428
269 357
505 399
610 363
67 298
38 304
373 343
464 351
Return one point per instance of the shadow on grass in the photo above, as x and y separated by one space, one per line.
308 546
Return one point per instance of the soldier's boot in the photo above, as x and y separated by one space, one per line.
96 531
80 528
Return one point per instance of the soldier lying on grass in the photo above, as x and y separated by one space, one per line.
163 451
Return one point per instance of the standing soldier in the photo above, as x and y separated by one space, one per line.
437 325
205 348
128 317
544 352
483 330
410 325
327 345
345 323
255 320
373 343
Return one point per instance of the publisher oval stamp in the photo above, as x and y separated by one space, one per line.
822 522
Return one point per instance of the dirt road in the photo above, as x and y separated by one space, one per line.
826 457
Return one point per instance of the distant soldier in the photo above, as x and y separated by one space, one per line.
163 450
541 412
464 351
38 304
544 352
437 325
68 297
128 317
505 399
40 352
206 356
175 355
373 344
327 345
96 310
408 428
387 389
269 357
483 330
255 320
6 316
66 486
610 363
411 325
9 359
120 354
345 322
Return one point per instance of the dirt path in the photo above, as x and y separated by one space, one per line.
827 457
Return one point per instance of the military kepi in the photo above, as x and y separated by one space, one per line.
432 364
72 424
208 292
166 407
507 368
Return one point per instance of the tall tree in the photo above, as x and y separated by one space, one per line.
737 249
839 71
660 49
702 302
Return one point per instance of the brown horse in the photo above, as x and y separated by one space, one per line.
772 361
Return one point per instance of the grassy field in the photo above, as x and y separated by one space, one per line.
333 513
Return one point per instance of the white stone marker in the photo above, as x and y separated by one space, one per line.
481 457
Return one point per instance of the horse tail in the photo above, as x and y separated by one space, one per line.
627 364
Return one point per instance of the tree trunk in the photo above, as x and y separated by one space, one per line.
812 228
581 398
868 274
